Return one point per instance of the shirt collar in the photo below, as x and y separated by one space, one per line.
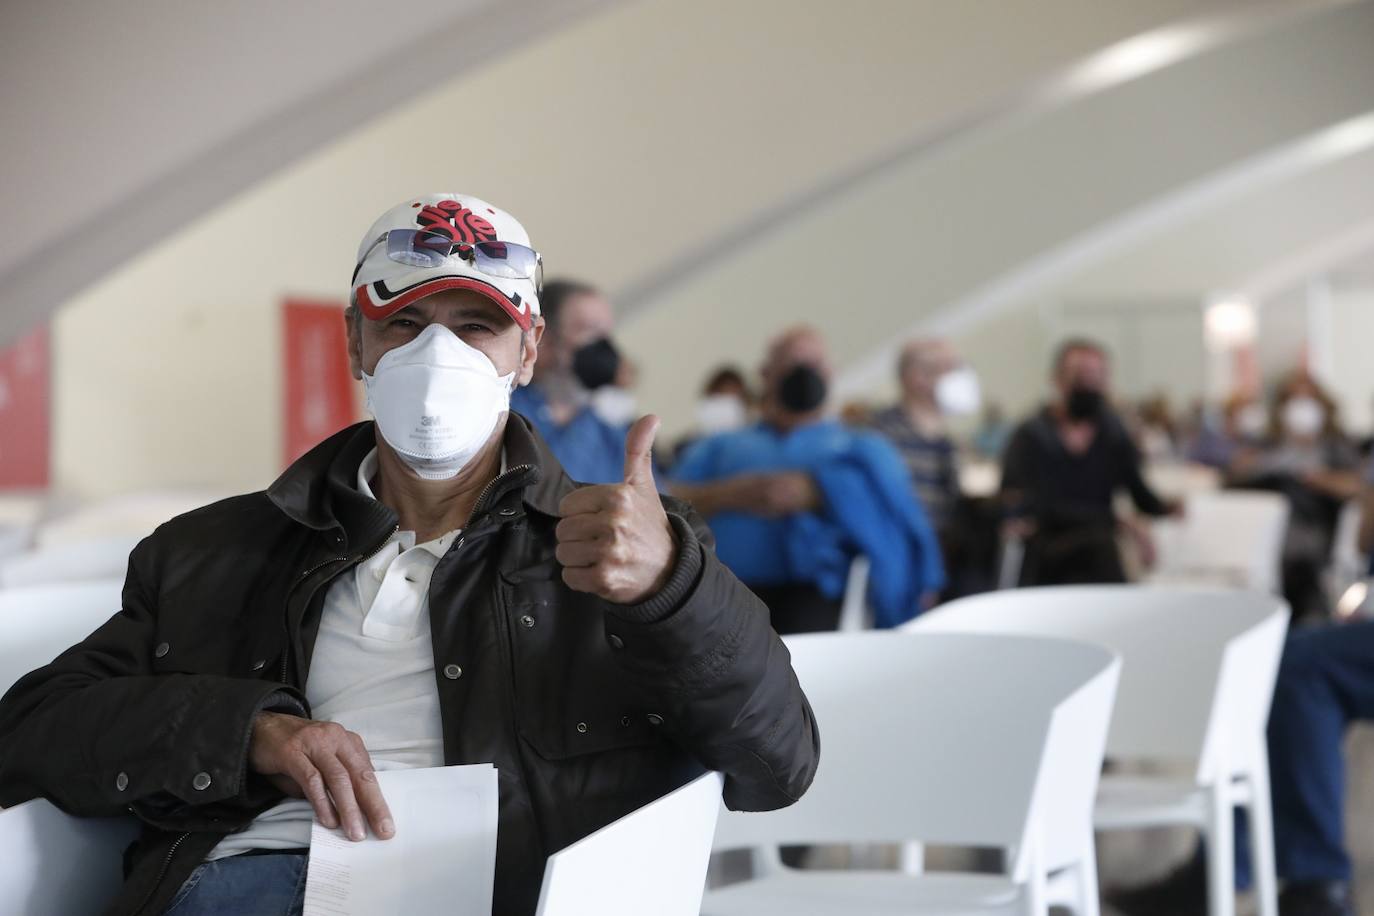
368 469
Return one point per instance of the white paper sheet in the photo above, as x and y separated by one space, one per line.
441 860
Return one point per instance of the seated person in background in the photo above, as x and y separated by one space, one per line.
936 386
990 439
1311 462
794 498
576 359
1061 472
726 404
1157 433
1242 425
425 590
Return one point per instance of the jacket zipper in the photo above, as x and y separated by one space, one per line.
286 653
166 864
482 497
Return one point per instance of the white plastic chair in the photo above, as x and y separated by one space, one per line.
651 861
1228 538
941 738
855 614
131 515
1200 666
81 561
52 864
37 624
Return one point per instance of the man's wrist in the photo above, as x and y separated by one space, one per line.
683 575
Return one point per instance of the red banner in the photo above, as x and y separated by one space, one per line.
25 418
321 395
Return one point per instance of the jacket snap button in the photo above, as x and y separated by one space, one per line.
616 642
655 719
122 782
506 511
582 727
625 721
453 672
526 621
260 664
162 649
201 782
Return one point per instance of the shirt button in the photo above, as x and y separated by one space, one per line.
201 782
122 782
526 621
655 719
616 642
379 573
162 649
453 672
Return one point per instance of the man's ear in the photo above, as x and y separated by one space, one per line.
353 325
530 351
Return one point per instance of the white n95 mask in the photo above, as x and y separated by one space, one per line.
957 392
436 401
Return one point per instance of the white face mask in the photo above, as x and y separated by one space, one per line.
436 400
1303 417
1251 421
615 405
720 413
957 392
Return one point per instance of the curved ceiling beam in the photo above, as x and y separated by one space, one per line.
312 79
1118 63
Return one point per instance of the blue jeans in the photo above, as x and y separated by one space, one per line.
268 885
1326 681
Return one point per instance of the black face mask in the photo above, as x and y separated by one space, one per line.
596 364
802 389
1084 403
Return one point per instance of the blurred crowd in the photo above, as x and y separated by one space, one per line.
940 494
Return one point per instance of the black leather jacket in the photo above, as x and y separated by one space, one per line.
588 709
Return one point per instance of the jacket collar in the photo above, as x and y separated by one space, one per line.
319 490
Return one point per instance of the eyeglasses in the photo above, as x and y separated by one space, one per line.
426 248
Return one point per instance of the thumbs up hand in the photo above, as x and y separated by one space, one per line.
614 540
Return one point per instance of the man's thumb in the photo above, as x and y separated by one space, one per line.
639 445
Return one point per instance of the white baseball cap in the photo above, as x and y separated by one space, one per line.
447 241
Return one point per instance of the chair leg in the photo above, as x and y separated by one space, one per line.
1262 840
1086 874
1221 861
912 858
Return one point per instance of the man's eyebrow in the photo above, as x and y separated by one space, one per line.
484 312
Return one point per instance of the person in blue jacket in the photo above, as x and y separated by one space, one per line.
794 498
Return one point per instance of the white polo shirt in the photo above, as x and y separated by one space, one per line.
372 672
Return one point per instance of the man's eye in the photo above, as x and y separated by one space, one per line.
476 327
402 323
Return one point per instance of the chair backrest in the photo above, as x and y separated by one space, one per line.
1228 538
52 864
132 516
1199 663
855 613
37 624
947 739
650 861
1181 479
82 561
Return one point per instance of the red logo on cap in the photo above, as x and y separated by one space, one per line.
457 221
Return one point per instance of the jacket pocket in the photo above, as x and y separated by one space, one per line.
571 696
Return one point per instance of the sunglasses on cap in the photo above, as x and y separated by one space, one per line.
425 248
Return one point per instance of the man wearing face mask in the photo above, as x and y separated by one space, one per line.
1061 472
936 387
424 590
794 498
576 400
